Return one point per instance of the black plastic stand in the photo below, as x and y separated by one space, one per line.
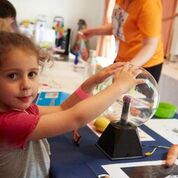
120 141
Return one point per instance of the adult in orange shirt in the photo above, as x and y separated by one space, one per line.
136 25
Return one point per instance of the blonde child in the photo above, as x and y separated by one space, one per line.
24 151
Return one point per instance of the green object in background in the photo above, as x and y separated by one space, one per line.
165 110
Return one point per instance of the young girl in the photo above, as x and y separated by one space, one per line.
23 126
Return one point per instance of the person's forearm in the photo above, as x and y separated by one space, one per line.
73 99
102 30
87 87
145 53
85 110
76 116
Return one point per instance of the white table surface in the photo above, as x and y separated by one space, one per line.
61 77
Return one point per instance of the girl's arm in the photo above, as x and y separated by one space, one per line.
85 111
146 52
87 87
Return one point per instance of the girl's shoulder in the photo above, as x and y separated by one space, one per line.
16 126
33 109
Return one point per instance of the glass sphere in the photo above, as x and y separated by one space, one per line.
144 100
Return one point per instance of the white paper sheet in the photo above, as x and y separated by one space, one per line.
167 128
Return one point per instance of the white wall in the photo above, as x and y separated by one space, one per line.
71 10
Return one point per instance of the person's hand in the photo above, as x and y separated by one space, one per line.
85 34
172 155
106 72
100 76
126 77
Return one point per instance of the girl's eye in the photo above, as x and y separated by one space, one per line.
33 74
12 76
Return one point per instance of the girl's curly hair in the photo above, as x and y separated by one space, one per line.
10 41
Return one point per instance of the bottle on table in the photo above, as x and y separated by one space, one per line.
91 64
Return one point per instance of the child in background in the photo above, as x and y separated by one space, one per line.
24 151
4 26
8 23
8 13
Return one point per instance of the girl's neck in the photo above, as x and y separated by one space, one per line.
4 108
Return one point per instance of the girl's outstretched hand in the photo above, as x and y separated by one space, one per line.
106 72
100 76
126 77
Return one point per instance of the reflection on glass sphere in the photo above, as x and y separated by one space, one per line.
144 100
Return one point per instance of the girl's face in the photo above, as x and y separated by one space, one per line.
19 80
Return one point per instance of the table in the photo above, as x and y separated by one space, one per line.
70 161
61 76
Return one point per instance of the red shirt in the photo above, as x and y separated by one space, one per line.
16 126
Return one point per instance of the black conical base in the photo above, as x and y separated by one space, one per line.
120 142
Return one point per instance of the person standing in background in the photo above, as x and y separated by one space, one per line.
4 26
8 23
136 25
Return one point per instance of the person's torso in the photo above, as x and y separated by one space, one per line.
30 162
132 24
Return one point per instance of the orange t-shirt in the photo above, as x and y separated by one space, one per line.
140 19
